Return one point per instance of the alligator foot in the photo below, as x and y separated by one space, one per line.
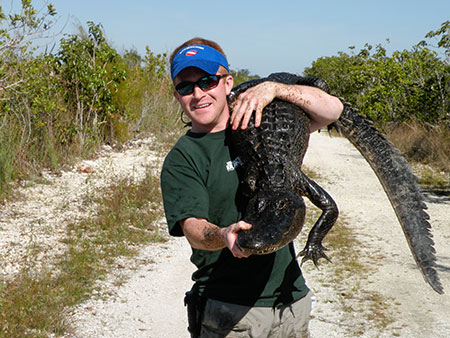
313 253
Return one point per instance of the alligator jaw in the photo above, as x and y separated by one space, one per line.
276 219
263 251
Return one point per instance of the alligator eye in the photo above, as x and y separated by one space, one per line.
282 205
252 183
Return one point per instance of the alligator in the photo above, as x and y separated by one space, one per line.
275 185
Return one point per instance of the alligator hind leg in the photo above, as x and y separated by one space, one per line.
320 198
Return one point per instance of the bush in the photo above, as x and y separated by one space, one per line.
422 143
408 85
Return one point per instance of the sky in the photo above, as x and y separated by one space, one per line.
261 36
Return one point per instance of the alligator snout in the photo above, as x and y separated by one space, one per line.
276 219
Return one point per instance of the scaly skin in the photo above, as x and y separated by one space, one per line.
400 185
272 156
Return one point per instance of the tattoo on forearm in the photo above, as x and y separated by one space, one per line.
212 238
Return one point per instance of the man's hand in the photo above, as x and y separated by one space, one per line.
252 101
204 235
321 107
229 235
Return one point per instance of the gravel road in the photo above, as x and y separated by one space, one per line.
149 304
145 299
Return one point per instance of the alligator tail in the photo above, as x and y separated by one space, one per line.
400 185
392 170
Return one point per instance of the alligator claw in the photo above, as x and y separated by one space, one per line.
313 253
330 128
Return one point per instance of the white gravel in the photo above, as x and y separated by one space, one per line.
418 310
150 304
37 220
148 301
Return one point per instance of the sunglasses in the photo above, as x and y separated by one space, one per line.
205 83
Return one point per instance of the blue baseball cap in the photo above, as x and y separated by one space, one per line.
200 56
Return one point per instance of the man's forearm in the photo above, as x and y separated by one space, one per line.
202 235
320 106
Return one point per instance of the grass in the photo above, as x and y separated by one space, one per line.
423 144
35 304
430 177
7 152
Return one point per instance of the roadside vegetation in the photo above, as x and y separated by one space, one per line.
57 107
406 94
36 303
60 106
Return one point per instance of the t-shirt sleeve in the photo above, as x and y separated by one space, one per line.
184 192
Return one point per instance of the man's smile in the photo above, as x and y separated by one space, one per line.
202 106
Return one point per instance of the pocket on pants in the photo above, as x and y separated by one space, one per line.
224 317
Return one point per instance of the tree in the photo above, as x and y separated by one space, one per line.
444 41
242 75
90 73
407 85
17 31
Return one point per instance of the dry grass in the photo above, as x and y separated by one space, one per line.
423 144
34 304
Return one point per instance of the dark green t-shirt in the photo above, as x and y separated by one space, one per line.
199 179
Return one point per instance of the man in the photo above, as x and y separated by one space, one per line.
243 295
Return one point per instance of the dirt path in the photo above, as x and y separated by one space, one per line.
418 310
150 303
147 296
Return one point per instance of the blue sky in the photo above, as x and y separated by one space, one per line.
262 36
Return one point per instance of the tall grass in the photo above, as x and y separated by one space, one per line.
423 143
159 113
7 152
427 145
53 142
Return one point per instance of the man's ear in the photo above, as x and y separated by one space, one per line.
176 95
229 82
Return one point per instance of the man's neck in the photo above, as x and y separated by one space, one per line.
213 128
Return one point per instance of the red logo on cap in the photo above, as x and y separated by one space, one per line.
191 52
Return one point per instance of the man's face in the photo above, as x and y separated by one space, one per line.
208 110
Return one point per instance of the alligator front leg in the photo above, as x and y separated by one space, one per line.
320 198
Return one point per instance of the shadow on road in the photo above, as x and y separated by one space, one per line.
436 195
